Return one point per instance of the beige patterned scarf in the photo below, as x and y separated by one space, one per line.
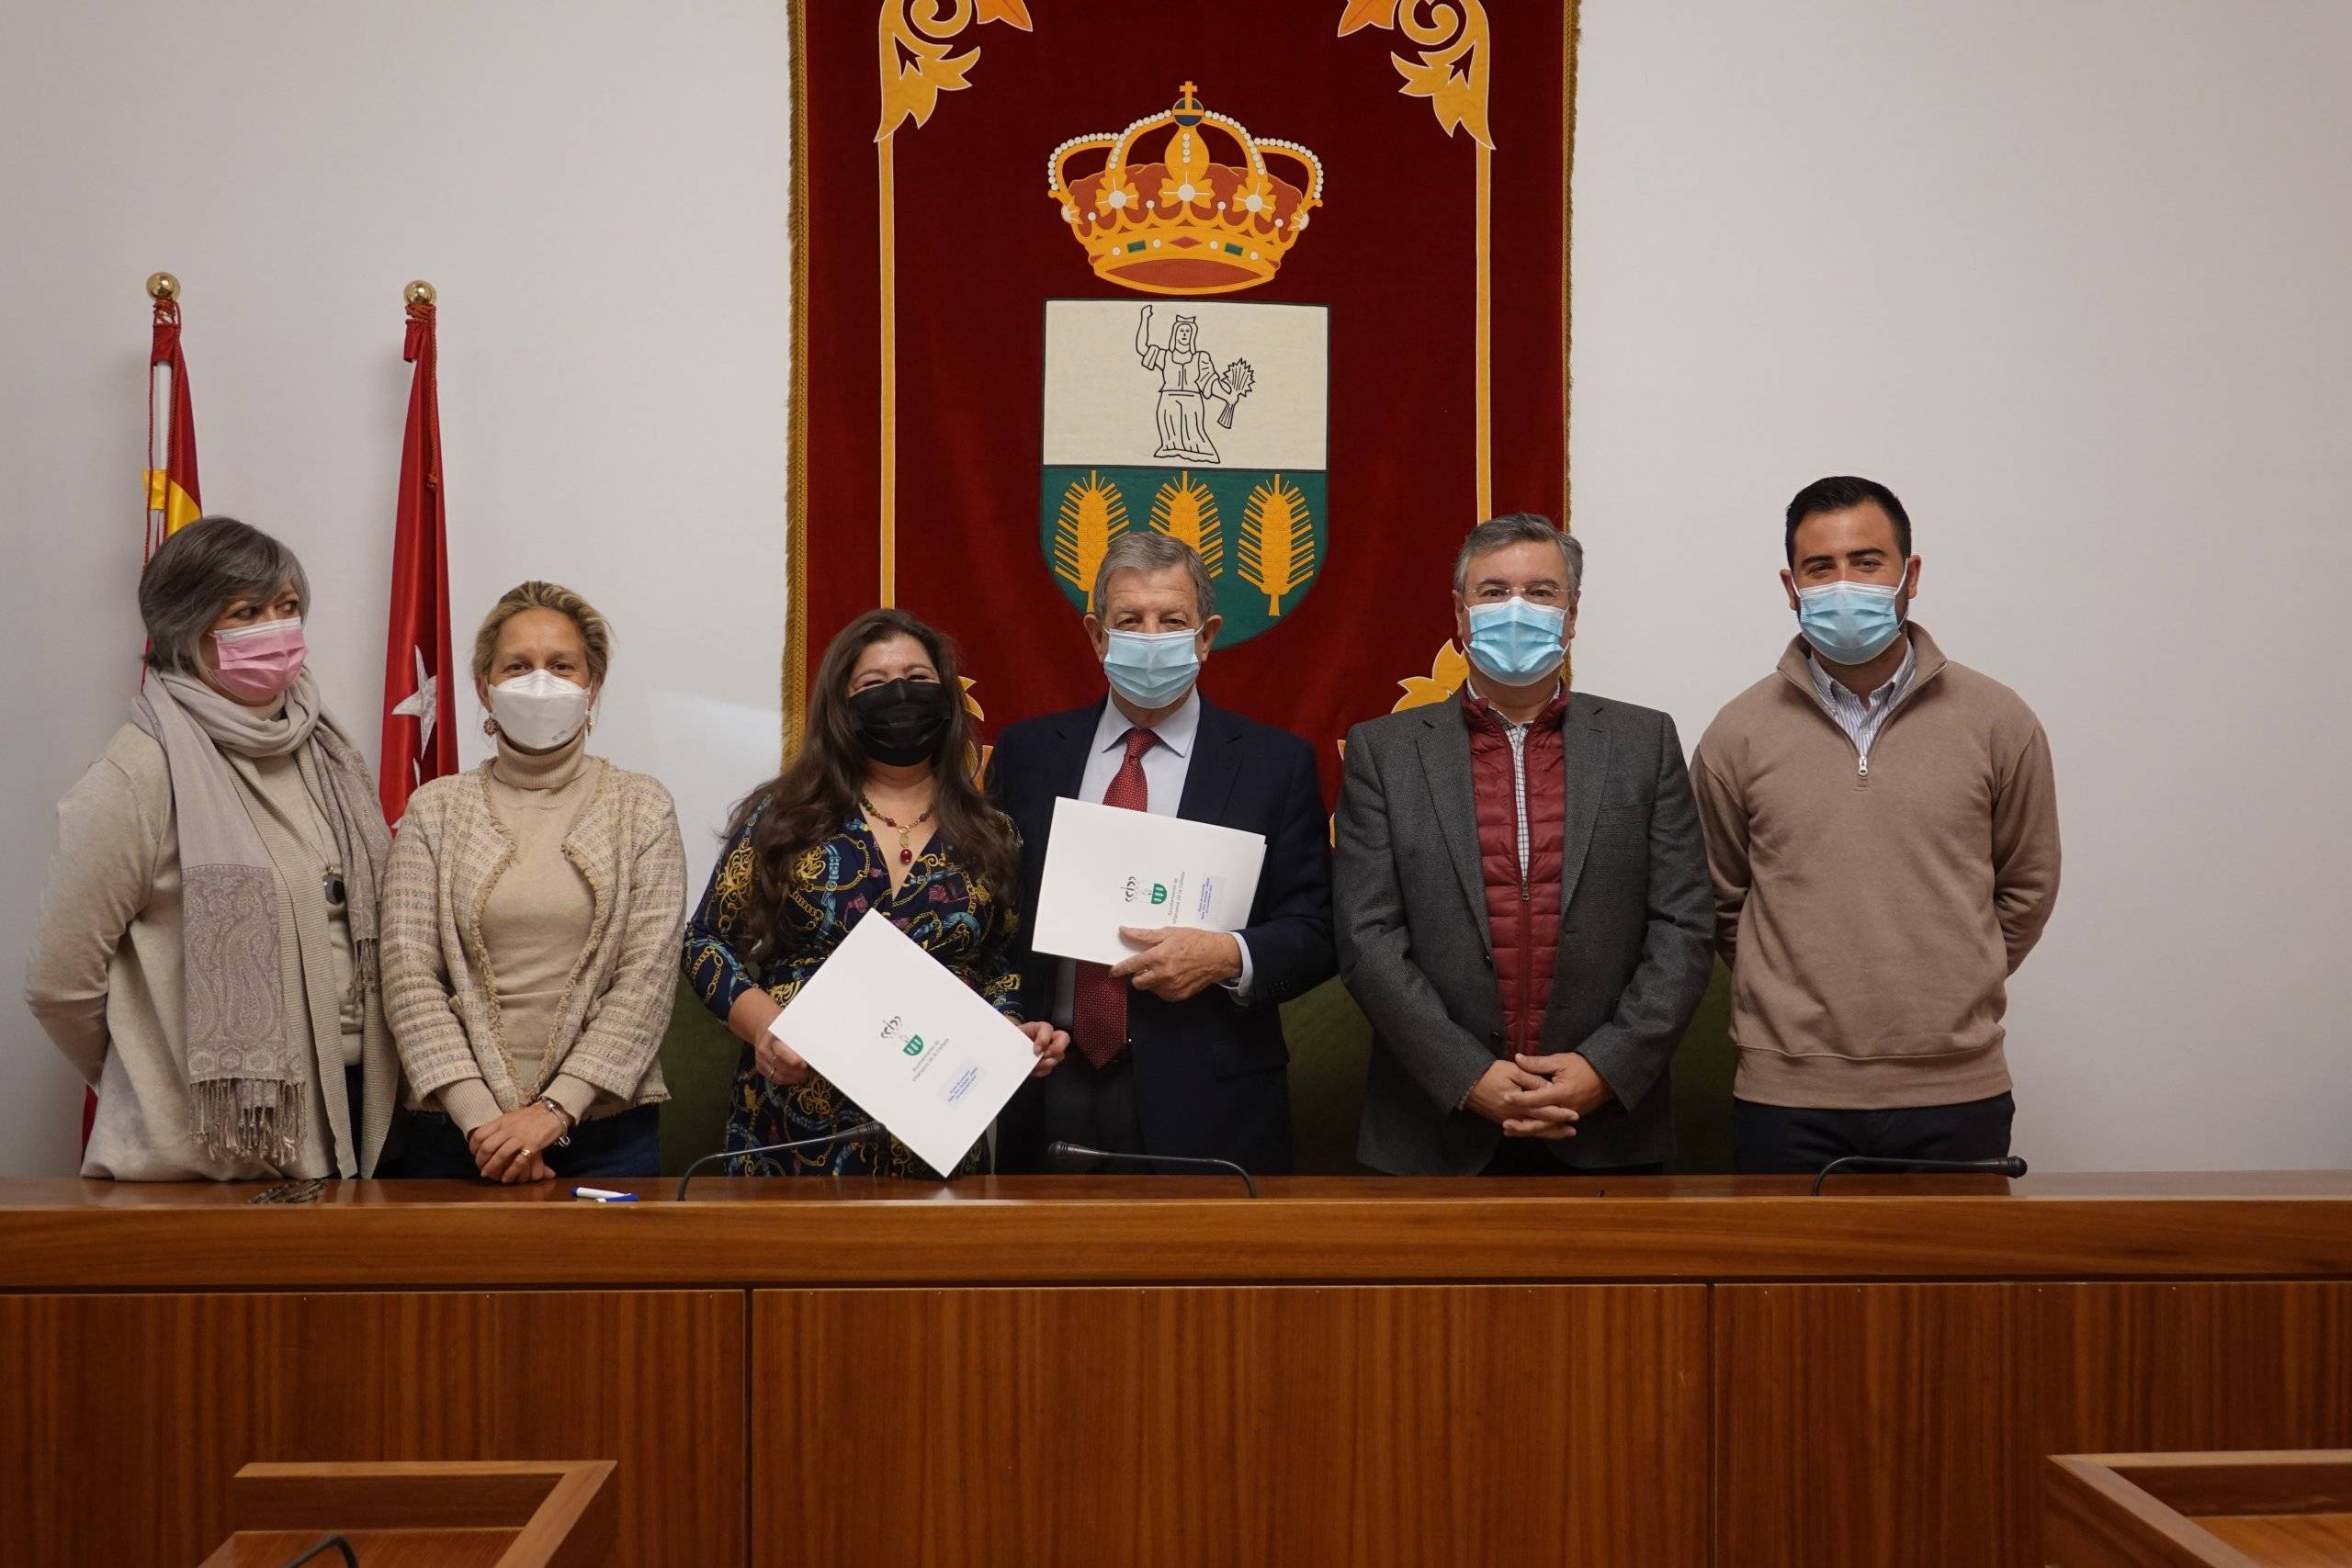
247 1079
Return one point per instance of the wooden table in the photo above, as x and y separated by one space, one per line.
1651 1372
477 1514
2225 1510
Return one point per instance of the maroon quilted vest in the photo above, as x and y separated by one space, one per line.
1522 912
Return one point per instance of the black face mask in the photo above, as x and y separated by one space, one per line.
900 722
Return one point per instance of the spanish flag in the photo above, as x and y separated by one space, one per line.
173 502
172 491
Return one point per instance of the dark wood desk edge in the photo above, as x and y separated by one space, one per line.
1350 1237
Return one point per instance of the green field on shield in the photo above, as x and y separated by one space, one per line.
1261 531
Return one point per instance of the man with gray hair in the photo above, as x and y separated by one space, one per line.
1522 895
1177 1049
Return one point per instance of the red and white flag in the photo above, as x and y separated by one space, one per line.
419 722
173 497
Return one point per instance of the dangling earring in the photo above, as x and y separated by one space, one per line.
490 726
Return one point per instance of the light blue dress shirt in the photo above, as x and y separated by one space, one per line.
1165 768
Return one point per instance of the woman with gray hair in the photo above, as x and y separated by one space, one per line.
206 954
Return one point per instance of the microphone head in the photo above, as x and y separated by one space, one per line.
2013 1167
1060 1151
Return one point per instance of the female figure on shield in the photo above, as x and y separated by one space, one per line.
1188 379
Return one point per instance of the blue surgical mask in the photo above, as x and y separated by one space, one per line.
1851 623
1515 642
1152 670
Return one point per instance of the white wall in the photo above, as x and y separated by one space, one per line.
2070 278
2073 279
601 193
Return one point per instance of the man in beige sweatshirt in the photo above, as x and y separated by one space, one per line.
1882 837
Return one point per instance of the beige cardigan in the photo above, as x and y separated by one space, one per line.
438 998
105 979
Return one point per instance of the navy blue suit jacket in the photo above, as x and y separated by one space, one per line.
1210 1074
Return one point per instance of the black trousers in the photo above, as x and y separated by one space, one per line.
1782 1140
1082 1103
1093 1106
1533 1156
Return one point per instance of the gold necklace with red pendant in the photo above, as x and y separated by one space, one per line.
906 831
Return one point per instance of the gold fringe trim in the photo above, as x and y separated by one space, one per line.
795 545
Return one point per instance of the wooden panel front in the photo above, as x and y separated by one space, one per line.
2167 1367
1403 1424
1869 1425
1885 1424
123 1418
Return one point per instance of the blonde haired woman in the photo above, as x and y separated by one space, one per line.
532 914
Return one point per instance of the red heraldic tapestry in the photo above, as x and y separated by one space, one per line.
1287 282
419 722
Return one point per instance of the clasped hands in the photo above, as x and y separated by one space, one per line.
1539 1097
513 1147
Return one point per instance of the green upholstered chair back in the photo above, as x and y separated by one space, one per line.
1329 1039
699 1064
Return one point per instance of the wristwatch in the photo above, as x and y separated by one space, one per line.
552 1103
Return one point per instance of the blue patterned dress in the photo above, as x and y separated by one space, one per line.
958 920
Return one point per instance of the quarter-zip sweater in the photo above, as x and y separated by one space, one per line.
1872 913
1519 774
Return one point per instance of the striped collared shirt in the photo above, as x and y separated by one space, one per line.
1862 718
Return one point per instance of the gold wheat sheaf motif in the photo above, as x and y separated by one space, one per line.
1277 541
1093 514
1185 511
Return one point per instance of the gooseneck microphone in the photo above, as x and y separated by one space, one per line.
2010 1167
843 1136
1067 1155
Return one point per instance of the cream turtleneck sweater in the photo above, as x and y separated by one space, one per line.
535 923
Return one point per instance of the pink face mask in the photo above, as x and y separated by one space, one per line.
257 662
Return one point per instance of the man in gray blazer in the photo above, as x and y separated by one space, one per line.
1520 892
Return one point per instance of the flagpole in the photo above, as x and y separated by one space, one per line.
164 289
419 722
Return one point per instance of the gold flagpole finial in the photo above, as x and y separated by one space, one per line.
418 292
163 286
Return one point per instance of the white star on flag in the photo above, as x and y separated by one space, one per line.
424 705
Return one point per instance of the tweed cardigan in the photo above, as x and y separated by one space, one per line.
438 994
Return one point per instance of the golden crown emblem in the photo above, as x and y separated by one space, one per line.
1185 224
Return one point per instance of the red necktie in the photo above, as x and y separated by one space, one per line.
1097 1013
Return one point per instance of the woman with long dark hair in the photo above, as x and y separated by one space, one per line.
876 811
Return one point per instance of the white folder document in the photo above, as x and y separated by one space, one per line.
919 1051
1108 867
